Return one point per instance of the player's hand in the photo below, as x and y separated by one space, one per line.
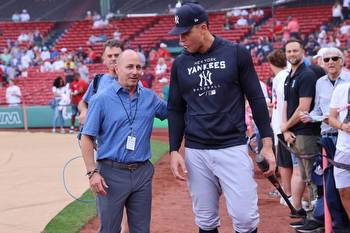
82 116
176 161
304 117
98 184
267 152
289 137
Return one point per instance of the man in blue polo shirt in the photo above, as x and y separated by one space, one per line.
121 118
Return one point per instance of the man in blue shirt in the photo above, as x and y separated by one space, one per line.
121 118
111 51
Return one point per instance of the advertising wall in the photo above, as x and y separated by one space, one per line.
40 117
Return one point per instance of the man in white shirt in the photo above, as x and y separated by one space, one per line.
15 17
24 16
339 118
278 65
58 64
241 22
333 60
23 37
45 54
161 66
13 94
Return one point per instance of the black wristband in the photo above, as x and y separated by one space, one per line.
91 173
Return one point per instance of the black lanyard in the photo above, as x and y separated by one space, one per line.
131 118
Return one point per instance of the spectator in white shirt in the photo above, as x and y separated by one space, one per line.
241 22
336 13
46 67
161 66
344 29
45 54
13 94
100 23
83 71
339 118
23 37
58 64
117 35
110 15
24 16
244 13
16 17
278 65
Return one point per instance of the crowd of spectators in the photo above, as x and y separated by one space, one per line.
29 49
238 18
21 17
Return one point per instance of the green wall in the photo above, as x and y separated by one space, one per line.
41 117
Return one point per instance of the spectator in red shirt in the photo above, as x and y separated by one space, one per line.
78 88
163 51
147 77
278 30
153 57
293 27
92 57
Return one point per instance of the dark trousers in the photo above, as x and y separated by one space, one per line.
346 13
129 188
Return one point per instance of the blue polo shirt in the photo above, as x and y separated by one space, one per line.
108 121
105 81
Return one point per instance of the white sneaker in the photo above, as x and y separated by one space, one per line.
71 129
63 131
53 130
283 202
308 206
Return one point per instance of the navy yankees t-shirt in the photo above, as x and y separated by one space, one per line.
207 97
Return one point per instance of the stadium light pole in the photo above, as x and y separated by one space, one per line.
105 6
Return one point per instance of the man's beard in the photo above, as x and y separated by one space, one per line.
295 62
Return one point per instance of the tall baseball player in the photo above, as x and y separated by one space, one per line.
209 82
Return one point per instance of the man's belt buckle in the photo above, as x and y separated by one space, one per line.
132 166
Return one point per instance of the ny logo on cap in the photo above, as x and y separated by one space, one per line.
195 20
177 19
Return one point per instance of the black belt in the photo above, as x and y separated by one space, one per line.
334 134
128 166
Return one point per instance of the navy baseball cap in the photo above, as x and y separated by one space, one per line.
187 16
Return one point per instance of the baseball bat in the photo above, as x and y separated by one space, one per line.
264 166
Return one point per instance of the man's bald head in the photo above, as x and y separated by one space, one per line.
127 55
129 69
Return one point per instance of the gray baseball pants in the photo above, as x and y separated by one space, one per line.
229 171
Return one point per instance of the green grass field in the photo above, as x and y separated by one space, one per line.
77 214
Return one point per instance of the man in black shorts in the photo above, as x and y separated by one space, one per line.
278 65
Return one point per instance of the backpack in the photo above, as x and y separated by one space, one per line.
95 82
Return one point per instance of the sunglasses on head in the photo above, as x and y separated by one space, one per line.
326 59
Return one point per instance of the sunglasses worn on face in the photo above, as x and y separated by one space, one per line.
326 59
